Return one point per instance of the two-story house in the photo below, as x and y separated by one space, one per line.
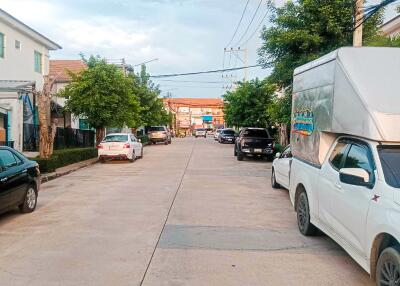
24 61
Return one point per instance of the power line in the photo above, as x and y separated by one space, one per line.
237 28
189 81
191 86
203 72
256 30
251 22
371 11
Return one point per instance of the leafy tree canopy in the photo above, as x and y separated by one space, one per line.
152 108
246 105
103 95
304 30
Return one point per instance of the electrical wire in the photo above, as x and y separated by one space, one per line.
251 22
256 30
240 21
189 81
204 72
371 11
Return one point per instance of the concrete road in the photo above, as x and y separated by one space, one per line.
186 214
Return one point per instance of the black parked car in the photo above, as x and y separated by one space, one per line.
19 181
255 142
227 136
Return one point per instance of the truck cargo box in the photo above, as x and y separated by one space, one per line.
353 91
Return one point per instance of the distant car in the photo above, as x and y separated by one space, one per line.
19 181
159 134
227 136
216 134
200 132
121 146
281 169
255 142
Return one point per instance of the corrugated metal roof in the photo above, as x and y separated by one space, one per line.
15 85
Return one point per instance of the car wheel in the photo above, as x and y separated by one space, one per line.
274 184
133 157
102 160
234 151
388 267
239 156
30 200
166 142
303 216
141 154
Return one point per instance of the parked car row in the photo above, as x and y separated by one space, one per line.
126 146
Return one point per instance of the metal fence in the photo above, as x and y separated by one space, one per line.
64 138
7 143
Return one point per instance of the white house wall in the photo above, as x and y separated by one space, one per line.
18 64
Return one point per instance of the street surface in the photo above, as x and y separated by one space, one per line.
187 214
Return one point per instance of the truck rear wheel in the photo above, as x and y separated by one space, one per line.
303 215
388 268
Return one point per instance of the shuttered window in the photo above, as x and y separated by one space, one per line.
38 62
2 48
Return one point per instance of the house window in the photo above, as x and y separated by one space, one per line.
2 43
38 62
18 45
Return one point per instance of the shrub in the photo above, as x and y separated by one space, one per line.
65 157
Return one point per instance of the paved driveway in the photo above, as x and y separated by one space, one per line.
186 214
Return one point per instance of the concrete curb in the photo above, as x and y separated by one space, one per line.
67 170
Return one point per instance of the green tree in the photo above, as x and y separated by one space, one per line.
152 107
246 105
103 95
302 31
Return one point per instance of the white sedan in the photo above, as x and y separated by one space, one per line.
281 169
122 146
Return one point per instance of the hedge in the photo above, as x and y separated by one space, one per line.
144 138
65 157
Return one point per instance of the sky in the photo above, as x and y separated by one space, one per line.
184 35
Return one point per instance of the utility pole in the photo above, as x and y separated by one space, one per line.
358 26
244 60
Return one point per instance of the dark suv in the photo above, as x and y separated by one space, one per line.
19 181
255 142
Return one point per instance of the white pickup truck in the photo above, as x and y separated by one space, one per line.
345 172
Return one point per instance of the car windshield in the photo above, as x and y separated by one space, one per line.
390 159
156 128
256 133
116 138
228 132
200 129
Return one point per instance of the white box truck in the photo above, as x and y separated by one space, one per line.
345 140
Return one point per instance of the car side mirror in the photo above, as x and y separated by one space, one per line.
355 176
277 155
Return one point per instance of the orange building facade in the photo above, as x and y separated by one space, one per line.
192 113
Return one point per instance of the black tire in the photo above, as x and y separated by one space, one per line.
133 157
141 154
388 267
30 200
303 216
235 151
102 160
239 156
274 184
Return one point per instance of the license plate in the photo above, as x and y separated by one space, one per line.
257 150
229 139
114 147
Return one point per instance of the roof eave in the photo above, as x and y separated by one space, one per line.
23 28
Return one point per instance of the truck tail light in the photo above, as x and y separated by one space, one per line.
100 146
127 145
